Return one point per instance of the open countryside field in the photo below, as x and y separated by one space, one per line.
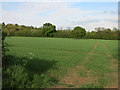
61 63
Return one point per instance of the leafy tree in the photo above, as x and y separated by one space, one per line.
3 24
48 29
9 29
79 32
63 34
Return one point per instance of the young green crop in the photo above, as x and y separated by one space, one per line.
46 61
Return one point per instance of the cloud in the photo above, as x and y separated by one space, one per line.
111 12
59 14
105 24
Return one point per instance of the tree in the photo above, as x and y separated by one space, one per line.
3 24
48 29
79 32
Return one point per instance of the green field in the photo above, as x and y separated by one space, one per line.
61 62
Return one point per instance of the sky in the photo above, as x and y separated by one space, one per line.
88 15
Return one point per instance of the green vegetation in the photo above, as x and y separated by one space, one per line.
4 34
90 86
78 32
60 62
49 30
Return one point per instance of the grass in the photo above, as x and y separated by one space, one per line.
90 86
44 62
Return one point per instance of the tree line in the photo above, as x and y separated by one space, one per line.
49 30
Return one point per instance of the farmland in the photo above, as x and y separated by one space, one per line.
60 63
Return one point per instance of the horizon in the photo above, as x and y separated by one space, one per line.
68 28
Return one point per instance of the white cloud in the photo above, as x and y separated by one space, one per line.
105 24
62 16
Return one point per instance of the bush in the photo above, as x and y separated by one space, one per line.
4 34
17 77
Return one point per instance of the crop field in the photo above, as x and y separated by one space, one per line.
61 63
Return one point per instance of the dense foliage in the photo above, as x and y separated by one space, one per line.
49 30
4 34
78 32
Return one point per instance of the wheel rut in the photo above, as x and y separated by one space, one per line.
112 67
73 79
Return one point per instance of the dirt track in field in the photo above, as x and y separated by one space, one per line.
73 78
112 67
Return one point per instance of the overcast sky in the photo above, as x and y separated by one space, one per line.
62 14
